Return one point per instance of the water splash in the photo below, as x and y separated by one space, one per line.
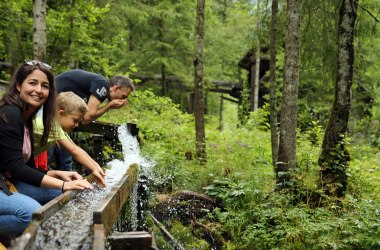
70 228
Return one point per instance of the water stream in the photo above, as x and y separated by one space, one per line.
70 228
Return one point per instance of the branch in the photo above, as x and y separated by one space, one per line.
377 20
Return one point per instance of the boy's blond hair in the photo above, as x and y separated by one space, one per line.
71 103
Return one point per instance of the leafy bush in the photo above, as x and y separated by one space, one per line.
239 173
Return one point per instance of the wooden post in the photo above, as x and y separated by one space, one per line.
99 237
109 210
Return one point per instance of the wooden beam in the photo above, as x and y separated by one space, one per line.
229 99
108 211
108 130
53 206
99 237
136 240
25 240
175 244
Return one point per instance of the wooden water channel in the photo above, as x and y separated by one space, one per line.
104 216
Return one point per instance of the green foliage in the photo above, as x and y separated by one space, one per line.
228 191
239 173
259 119
118 36
245 107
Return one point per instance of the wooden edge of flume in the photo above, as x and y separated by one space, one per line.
25 240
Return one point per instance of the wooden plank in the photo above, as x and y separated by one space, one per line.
130 240
41 215
53 206
108 211
108 130
25 240
175 244
99 237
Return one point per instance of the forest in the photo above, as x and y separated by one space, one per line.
269 108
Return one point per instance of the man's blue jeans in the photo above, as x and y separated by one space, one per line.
63 160
16 212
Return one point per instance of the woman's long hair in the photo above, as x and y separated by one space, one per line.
12 96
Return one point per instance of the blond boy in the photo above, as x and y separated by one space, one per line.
71 109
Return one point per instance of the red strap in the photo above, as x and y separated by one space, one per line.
41 161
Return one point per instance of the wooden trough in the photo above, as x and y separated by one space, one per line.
26 240
107 130
104 216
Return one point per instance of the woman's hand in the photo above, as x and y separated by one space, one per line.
76 185
65 175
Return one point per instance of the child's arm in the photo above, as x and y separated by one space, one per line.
83 158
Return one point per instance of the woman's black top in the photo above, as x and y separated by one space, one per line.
11 147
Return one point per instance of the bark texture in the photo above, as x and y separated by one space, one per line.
334 157
199 105
39 29
272 80
287 145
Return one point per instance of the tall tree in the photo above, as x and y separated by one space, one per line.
256 72
287 145
272 80
199 105
334 157
39 29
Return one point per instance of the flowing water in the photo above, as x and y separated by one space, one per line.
70 228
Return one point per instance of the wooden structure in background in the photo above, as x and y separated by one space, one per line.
248 62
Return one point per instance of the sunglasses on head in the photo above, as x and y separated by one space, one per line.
38 63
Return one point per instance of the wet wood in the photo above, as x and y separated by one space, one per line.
185 206
130 240
175 244
53 206
108 211
99 237
27 238
107 130
104 217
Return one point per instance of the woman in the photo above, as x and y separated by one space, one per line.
32 87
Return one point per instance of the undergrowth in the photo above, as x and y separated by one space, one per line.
239 173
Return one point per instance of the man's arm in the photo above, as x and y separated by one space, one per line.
94 111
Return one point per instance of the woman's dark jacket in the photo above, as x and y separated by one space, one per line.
11 147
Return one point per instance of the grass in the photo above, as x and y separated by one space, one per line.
240 173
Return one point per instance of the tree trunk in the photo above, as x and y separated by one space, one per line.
220 128
287 145
198 84
257 80
164 87
39 29
257 63
252 86
70 62
334 157
273 85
